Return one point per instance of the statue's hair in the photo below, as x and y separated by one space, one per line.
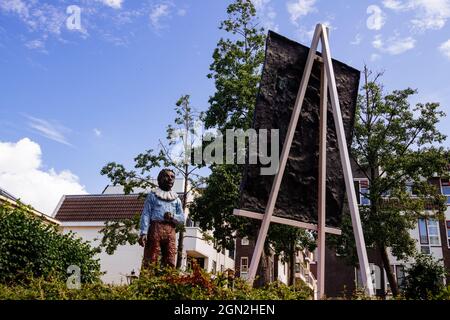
163 171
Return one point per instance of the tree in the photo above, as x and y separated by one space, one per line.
424 278
396 146
287 241
235 69
176 153
30 247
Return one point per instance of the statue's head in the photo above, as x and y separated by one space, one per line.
166 179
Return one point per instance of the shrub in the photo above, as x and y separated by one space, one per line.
443 295
30 248
424 278
154 284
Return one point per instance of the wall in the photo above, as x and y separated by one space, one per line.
117 266
128 258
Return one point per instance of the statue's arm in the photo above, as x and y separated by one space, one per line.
146 215
179 216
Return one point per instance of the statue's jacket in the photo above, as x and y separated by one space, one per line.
157 203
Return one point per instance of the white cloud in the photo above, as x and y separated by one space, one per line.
300 8
394 5
374 57
357 40
260 4
181 12
97 132
116 4
377 18
429 14
432 14
393 45
159 11
41 18
306 34
445 48
14 6
52 131
35 44
21 175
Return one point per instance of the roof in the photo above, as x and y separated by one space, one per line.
178 187
6 197
99 207
6 194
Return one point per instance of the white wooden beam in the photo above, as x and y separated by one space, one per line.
289 222
321 206
346 167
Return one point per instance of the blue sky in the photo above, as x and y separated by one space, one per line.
73 99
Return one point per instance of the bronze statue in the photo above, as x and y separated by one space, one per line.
160 216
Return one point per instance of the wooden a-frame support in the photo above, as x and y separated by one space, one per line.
327 76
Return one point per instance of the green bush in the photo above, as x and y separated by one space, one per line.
155 284
444 294
424 279
30 248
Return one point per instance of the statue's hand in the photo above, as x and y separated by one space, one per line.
168 217
142 240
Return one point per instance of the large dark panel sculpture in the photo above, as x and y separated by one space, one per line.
283 69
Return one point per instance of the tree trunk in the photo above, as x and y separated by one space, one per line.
291 268
276 258
263 271
387 268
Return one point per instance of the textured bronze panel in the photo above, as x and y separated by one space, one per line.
283 68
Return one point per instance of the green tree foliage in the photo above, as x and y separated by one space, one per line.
236 66
29 247
394 145
236 69
213 208
287 241
424 279
237 61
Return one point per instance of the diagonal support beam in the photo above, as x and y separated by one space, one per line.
346 167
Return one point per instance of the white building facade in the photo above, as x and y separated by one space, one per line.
86 215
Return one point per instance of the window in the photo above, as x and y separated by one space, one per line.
245 241
214 267
433 231
374 273
448 232
244 264
399 275
411 189
425 249
423 231
222 268
362 191
428 234
445 183
191 223
231 253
